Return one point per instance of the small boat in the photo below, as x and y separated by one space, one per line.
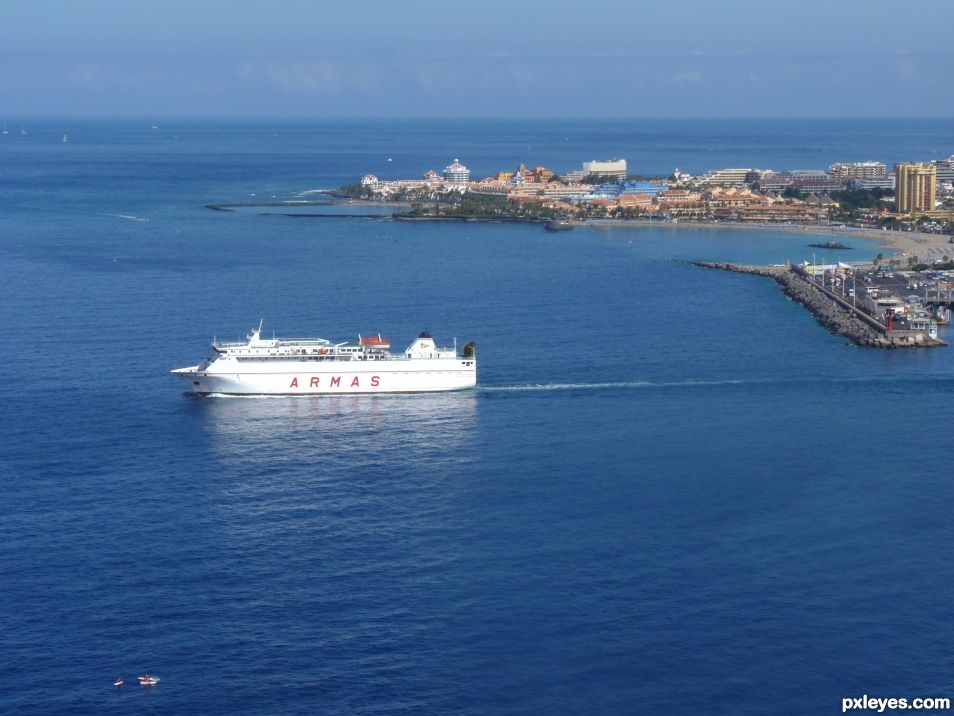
118 682
65 139
148 680
374 341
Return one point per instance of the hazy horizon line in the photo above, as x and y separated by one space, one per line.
501 118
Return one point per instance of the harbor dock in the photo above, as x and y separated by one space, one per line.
836 313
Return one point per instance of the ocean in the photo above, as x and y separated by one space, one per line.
671 492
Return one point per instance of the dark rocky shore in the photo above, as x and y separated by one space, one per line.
831 245
831 311
470 219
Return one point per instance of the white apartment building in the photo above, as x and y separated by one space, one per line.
729 177
615 168
849 171
456 173
945 170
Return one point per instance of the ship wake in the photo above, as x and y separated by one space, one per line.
886 380
620 385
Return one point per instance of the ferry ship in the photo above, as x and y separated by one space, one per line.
316 366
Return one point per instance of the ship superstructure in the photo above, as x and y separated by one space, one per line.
315 366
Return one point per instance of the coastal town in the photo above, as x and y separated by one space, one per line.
914 196
893 302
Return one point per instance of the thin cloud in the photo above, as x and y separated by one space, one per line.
687 77
293 77
87 75
905 69
309 77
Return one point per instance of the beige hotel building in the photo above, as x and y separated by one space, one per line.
916 187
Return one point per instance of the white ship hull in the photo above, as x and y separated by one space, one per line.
315 366
230 377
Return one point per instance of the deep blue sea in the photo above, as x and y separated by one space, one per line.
671 493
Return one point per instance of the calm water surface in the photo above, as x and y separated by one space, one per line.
672 491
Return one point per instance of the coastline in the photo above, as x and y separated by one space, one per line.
904 243
927 247
471 219
838 315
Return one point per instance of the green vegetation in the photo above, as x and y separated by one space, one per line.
945 266
599 179
607 179
355 191
648 177
478 206
850 203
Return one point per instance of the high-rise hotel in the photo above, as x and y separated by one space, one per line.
916 187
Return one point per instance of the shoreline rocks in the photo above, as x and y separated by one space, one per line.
836 315
831 245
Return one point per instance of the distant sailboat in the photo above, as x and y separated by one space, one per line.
22 130
65 139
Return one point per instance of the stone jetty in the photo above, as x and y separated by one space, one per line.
832 311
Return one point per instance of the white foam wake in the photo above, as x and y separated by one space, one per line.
621 385
130 217
255 396
640 384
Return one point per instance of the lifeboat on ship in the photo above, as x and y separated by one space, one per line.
374 341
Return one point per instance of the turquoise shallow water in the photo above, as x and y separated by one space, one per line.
672 491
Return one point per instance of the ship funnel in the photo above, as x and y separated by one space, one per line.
470 350
256 333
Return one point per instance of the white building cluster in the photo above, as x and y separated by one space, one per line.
456 177
945 170
731 177
610 168
857 170
456 173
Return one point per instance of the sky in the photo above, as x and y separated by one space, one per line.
558 58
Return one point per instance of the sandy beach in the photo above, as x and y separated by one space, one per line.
927 247
902 244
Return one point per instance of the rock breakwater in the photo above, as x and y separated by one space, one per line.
836 314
